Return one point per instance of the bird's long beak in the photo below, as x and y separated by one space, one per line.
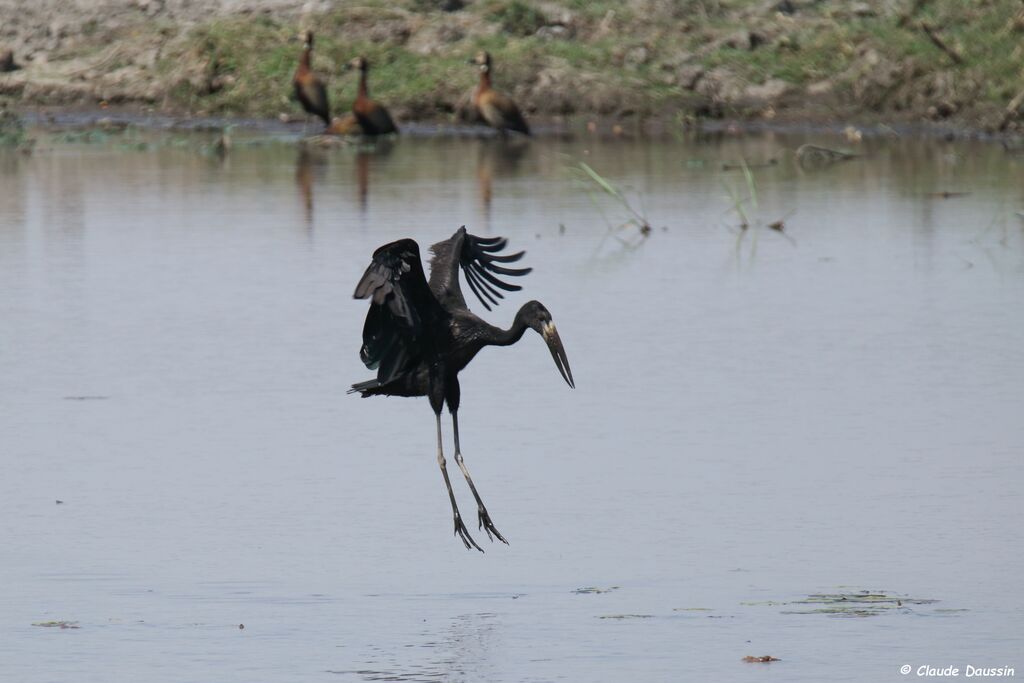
554 342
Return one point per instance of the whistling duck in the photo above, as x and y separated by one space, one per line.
309 89
373 118
498 110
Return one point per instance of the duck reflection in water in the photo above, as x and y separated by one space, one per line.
496 157
379 149
309 168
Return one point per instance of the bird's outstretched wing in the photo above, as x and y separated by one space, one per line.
401 309
479 259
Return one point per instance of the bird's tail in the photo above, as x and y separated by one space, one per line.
365 388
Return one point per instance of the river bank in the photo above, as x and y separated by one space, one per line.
672 62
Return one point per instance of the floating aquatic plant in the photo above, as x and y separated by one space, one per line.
851 604
57 624
595 589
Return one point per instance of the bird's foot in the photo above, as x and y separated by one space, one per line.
487 525
463 533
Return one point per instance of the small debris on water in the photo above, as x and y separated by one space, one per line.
813 156
60 502
947 194
779 225
626 616
241 627
733 166
762 658
57 624
594 589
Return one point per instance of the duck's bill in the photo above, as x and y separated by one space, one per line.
554 342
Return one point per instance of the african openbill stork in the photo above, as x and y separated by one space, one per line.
420 334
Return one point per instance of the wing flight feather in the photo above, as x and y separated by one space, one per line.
401 308
478 258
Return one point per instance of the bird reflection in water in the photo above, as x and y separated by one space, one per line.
496 157
378 149
308 165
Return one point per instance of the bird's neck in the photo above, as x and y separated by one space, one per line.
363 93
304 60
511 335
485 80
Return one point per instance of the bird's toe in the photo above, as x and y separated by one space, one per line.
463 533
487 525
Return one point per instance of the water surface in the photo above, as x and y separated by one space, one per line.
759 416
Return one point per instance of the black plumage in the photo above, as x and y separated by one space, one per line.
420 334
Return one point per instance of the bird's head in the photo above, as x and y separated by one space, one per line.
358 64
482 60
307 40
536 317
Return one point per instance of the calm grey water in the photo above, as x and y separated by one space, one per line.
759 417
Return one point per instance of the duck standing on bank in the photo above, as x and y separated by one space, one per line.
498 110
309 89
373 118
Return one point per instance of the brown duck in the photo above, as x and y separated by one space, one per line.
373 118
309 89
497 110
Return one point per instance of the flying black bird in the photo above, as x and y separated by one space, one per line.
418 335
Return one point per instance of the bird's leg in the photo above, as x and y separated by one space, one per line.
460 528
484 519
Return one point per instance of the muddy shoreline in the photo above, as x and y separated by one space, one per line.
87 118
